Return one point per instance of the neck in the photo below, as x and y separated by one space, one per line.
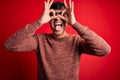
61 36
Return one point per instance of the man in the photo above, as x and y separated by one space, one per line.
58 53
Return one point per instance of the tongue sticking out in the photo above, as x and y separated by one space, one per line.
58 28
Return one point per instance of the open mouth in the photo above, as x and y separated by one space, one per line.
58 26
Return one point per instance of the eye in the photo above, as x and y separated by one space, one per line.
58 13
51 14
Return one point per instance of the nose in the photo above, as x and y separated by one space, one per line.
57 13
57 19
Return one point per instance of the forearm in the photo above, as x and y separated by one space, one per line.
20 38
94 43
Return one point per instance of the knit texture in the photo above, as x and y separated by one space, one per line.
58 59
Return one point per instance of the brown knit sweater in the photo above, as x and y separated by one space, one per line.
58 59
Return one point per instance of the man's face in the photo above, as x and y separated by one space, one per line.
58 25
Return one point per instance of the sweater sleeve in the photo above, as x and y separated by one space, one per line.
24 39
91 43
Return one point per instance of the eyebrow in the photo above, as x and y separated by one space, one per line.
58 13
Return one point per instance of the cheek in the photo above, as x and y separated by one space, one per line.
64 27
51 23
64 24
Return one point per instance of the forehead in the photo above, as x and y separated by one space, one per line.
57 10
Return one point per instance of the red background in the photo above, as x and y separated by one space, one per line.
102 16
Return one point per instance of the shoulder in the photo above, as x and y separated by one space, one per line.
76 38
41 35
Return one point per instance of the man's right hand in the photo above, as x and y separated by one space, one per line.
45 16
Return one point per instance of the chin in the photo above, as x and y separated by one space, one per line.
59 34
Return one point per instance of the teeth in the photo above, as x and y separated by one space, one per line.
58 25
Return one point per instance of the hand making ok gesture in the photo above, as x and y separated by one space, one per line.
45 16
70 17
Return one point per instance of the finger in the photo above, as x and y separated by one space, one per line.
64 11
51 11
48 1
73 6
70 3
65 3
63 18
44 4
53 17
51 3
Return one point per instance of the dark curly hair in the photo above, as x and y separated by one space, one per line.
57 5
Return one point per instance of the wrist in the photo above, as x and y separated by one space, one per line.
73 22
40 22
76 24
